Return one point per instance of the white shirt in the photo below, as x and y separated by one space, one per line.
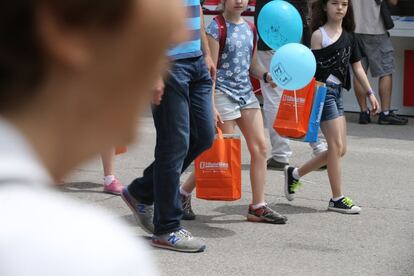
42 232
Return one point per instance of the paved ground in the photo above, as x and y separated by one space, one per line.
377 173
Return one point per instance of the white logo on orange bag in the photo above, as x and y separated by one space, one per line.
214 165
291 99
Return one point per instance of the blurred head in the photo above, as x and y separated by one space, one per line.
234 6
333 10
84 66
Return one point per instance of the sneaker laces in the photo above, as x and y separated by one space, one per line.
182 233
186 202
296 184
347 201
267 210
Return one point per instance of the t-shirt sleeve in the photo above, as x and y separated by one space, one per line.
213 30
356 54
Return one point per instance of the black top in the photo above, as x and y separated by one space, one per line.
335 59
300 5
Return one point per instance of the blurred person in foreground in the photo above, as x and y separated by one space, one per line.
69 71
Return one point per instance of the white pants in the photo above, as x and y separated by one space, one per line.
271 99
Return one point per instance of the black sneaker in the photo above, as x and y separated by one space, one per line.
391 119
188 213
392 112
265 214
344 205
272 164
364 118
291 184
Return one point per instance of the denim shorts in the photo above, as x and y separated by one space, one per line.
229 109
333 106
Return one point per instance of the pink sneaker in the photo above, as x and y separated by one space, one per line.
114 188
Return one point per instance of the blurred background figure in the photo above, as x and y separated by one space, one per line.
375 44
69 71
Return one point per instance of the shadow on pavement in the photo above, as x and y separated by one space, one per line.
80 187
287 209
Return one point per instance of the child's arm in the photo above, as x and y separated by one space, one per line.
361 76
316 40
211 65
259 72
214 51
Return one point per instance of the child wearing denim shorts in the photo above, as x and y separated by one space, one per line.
335 48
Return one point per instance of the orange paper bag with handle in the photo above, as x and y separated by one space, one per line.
120 150
292 119
218 169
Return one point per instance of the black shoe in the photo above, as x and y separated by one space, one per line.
272 164
188 213
392 112
364 118
391 119
344 205
291 184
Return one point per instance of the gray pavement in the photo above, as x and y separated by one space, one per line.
378 173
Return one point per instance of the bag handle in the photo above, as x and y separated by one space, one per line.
219 133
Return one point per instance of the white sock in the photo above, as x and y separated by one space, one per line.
337 198
108 179
295 174
386 113
259 205
184 192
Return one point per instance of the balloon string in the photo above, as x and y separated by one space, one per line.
296 106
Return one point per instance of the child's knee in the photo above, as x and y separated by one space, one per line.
343 150
338 147
259 150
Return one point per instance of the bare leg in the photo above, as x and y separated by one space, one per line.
251 125
361 95
228 128
108 161
385 91
335 134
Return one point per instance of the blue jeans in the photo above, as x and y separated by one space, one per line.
185 128
333 106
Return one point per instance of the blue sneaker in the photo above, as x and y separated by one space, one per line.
180 240
143 213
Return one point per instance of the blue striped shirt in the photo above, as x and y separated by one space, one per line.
192 47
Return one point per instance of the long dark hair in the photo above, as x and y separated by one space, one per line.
319 17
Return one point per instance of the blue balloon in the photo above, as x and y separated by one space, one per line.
293 66
279 23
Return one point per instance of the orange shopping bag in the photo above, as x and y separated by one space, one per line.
292 119
120 150
218 169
